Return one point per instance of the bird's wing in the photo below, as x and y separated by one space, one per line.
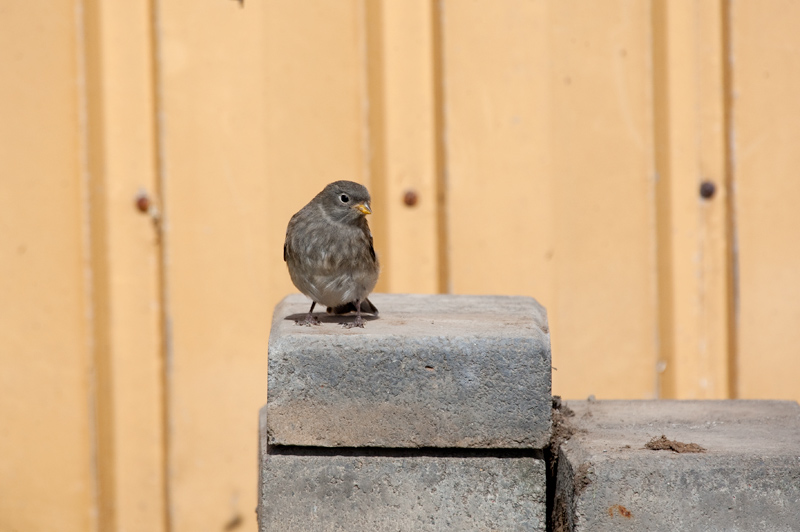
286 241
371 249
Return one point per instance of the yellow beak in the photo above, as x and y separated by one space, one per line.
363 208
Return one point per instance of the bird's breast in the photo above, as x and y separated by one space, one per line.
331 264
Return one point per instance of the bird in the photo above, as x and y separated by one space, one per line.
329 252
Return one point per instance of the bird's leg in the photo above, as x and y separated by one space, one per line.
309 319
359 321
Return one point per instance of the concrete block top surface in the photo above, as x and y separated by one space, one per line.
431 371
768 428
417 315
720 466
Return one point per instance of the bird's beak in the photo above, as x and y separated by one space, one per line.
363 208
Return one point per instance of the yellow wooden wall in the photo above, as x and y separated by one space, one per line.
556 149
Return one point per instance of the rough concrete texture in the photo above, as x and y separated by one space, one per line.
432 371
747 479
362 490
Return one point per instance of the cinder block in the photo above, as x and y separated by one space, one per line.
364 490
432 371
747 479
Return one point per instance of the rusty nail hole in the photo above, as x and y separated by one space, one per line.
142 202
707 189
410 198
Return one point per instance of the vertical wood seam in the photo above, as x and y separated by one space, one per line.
445 283
732 250
161 227
88 277
375 129
98 300
666 385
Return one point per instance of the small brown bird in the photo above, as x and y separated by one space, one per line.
329 252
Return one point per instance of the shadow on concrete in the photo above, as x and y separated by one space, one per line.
323 318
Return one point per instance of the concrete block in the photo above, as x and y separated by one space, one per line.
364 490
432 371
747 479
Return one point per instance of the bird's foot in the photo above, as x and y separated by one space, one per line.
308 321
358 322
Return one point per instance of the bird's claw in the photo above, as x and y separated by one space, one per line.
358 322
308 321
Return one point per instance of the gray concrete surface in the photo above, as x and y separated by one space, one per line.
326 490
432 371
748 479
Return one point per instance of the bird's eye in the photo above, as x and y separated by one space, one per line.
345 198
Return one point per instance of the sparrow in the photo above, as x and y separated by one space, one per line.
329 253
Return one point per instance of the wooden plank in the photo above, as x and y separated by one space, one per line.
46 464
765 133
120 151
216 198
550 177
603 313
257 119
694 296
315 117
402 142
497 169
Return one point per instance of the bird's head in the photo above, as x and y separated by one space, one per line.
345 201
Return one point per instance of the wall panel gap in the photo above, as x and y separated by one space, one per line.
666 323
442 220
94 165
161 226
375 123
732 273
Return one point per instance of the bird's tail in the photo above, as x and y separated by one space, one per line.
366 307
